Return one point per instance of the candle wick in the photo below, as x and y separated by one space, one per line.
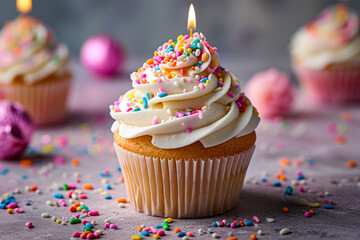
191 32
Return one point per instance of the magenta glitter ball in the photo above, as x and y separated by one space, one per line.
102 55
16 129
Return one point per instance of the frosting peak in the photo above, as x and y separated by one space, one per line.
330 38
183 95
29 49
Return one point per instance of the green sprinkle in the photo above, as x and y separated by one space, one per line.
75 221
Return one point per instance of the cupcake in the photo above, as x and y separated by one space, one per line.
326 57
184 135
33 70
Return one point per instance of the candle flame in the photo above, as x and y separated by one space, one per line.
24 6
191 18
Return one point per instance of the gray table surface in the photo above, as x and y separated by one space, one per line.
302 135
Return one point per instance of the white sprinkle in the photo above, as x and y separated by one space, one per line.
294 182
16 191
260 232
302 201
142 225
122 205
45 215
285 231
99 231
63 223
54 218
215 235
49 203
197 68
224 221
270 220
71 201
201 231
302 182
327 193
195 88
27 188
93 222
76 174
38 191
197 52
107 220
185 238
184 90
197 77
176 83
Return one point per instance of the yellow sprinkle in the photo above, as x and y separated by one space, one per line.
179 37
169 220
48 149
156 236
58 220
156 53
150 61
141 101
139 70
78 209
221 79
214 62
207 81
136 237
314 205
189 50
180 49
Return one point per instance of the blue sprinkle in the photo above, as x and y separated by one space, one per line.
263 180
24 176
147 95
27 203
2 206
237 224
328 206
194 43
170 48
118 169
136 110
277 184
248 223
93 139
199 46
4 171
108 197
157 67
300 177
107 186
145 102
288 191
144 233
163 94
310 161
214 224
105 175
82 217
181 234
204 79
158 226
89 225
58 195
60 188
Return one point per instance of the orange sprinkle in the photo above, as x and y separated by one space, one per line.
88 187
9 211
232 238
242 223
76 204
33 188
177 230
121 200
253 236
281 177
173 64
122 179
211 51
326 201
150 61
140 229
340 139
26 162
75 162
351 164
285 209
193 67
311 212
284 162
156 53
86 233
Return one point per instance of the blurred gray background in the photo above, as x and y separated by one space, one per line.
251 30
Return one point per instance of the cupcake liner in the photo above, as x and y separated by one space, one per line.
330 86
183 188
45 102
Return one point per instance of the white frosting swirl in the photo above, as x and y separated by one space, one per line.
187 99
333 37
28 49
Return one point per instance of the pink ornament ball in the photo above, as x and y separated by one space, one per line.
16 129
271 92
102 55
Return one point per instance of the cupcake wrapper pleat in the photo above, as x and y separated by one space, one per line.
330 86
46 103
183 188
